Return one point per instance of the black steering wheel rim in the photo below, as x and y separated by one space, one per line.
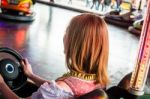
21 74
11 52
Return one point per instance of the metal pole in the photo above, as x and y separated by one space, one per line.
140 4
140 72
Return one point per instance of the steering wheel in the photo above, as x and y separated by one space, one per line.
11 70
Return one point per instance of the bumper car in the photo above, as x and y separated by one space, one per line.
12 72
123 19
114 17
136 27
123 16
20 10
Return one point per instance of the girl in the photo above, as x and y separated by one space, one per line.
86 49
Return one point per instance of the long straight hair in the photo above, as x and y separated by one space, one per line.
88 46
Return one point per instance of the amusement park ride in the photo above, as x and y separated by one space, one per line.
20 10
12 72
131 15
139 75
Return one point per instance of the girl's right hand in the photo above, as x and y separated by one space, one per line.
27 68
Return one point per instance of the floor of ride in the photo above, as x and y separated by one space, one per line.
41 41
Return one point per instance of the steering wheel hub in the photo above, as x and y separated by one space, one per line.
9 69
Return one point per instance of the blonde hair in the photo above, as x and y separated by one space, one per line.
88 46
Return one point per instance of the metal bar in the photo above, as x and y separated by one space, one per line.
68 7
140 72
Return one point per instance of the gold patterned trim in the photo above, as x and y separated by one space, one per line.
83 76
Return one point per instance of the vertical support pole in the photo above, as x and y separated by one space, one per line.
140 72
138 4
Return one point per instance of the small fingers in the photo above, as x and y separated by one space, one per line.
26 61
22 62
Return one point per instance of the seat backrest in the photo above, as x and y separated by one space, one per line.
95 94
117 92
